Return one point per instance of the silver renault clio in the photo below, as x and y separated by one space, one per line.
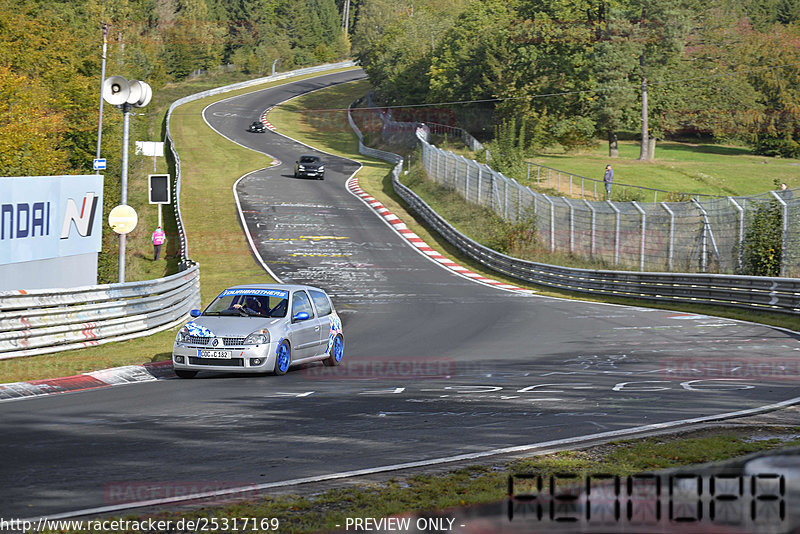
258 328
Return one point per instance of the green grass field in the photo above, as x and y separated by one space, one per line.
682 167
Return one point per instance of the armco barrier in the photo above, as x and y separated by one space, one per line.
52 320
751 292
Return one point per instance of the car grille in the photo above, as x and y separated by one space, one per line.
223 362
205 341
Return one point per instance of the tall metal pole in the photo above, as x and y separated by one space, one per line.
346 16
102 80
123 198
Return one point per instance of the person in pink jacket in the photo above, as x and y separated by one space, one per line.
158 239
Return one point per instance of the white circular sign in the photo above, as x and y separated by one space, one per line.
123 219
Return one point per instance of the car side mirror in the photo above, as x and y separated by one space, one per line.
195 313
301 316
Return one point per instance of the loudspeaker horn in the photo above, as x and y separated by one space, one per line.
135 93
116 90
145 96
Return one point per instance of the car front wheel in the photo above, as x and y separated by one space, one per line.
283 358
337 352
185 374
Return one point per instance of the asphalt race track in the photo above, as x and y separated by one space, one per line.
435 365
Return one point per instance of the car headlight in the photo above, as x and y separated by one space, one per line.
183 335
259 337
321 168
301 167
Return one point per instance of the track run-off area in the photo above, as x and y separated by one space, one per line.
437 367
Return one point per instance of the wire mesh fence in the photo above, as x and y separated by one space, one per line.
704 234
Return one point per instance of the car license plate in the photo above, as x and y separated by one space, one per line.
220 354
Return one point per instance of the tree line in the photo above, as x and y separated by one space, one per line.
565 71
50 62
570 71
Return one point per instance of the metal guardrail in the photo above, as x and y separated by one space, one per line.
751 292
51 320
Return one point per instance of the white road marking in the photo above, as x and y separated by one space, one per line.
545 447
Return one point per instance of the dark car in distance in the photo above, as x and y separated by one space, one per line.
257 127
309 166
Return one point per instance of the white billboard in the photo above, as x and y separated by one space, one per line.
43 217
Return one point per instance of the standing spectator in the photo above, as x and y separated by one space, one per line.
786 193
608 177
158 239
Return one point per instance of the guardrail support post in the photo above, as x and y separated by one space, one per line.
616 232
670 252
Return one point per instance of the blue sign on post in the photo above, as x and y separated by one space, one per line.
99 164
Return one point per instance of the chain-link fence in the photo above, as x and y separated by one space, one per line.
758 234
764 293
705 234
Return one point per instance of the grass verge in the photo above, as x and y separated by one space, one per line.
317 509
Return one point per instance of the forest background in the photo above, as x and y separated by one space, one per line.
563 73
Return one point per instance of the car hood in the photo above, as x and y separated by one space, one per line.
228 326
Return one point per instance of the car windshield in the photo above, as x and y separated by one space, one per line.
249 303
309 159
